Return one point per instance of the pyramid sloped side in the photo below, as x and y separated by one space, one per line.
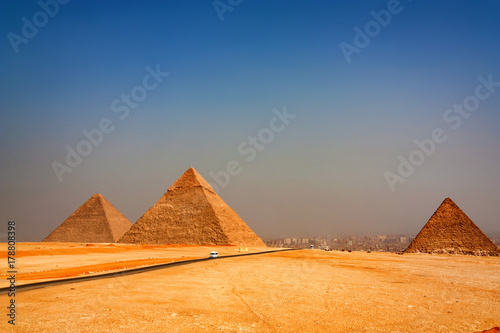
451 231
87 224
181 216
237 231
117 222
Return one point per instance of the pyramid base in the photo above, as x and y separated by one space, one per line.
479 253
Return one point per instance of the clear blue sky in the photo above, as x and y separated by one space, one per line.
323 173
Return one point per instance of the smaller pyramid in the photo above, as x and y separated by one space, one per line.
451 231
96 221
190 212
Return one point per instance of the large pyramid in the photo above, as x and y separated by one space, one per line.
190 212
96 221
451 231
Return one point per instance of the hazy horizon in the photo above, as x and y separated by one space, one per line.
306 117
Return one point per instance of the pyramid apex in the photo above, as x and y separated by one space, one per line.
448 202
97 197
191 178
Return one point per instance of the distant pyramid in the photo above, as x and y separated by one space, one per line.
190 212
450 231
96 221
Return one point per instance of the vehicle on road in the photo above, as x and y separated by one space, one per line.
214 254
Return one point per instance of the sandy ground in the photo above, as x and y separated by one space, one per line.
38 262
299 291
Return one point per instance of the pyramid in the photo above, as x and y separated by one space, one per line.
451 231
190 212
96 221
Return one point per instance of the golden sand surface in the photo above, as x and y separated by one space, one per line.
37 262
297 291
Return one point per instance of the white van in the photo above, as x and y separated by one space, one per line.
214 254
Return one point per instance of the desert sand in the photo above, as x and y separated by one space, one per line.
297 291
38 262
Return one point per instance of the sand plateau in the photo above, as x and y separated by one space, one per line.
297 291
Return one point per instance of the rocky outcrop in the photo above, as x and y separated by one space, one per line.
493 330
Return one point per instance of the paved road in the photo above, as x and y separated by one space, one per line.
131 271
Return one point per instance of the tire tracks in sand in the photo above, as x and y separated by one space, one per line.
267 323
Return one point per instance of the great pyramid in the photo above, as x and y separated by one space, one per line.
451 231
190 212
96 221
